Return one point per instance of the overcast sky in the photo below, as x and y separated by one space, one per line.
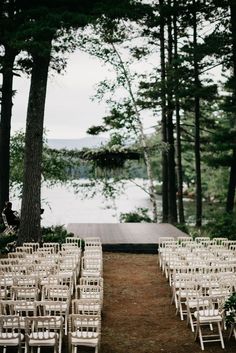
69 110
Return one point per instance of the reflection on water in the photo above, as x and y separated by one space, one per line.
63 206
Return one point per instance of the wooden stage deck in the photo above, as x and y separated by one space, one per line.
125 233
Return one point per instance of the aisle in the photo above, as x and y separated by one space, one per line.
137 315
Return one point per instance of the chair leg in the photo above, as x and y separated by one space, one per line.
19 348
221 336
201 338
196 333
190 320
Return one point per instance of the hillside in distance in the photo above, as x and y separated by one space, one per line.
85 142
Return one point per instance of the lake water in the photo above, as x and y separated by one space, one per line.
62 206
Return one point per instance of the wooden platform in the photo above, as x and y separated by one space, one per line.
125 233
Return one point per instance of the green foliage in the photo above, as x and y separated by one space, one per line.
230 310
110 156
140 215
4 240
2 227
222 224
56 234
183 227
57 164
214 183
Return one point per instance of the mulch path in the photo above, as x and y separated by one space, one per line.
137 314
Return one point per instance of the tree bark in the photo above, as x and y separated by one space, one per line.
165 206
178 128
172 215
151 187
5 123
197 123
30 229
232 176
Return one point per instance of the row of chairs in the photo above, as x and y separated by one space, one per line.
202 277
42 299
85 320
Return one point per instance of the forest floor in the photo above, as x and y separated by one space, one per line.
137 314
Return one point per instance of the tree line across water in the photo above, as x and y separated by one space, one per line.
164 55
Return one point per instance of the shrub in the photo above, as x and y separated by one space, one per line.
183 227
222 225
230 310
55 234
138 216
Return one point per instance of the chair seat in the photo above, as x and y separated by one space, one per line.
84 338
10 339
213 316
43 338
90 295
88 273
89 308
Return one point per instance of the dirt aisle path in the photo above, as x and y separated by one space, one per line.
137 315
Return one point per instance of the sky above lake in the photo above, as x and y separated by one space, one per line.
69 110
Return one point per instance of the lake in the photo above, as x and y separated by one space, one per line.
62 206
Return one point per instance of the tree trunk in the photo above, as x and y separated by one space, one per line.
151 187
5 124
172 215
232 177
197 123
30 229
165 206
178 129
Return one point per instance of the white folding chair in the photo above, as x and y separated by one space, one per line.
43 331
59 310
23 309
86 307
208 314
58 293
10 332
89 292
84 330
